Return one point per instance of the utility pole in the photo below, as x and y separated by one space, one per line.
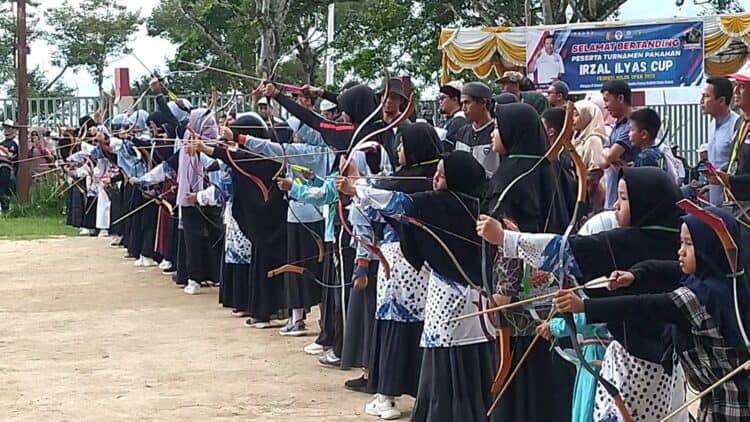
24 173
329 46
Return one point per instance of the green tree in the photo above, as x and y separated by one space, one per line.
88 34
8 38
245 36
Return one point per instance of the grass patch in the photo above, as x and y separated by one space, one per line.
26 228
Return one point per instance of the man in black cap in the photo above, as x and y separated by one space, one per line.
450 106
476 100
392 107
557 94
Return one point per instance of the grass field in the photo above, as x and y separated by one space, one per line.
33 228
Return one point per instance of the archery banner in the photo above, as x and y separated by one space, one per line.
644 56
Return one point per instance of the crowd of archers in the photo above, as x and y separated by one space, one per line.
530 259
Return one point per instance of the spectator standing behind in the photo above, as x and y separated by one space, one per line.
40 150
588 140
521 87
450 107
476 137
644 127
619 150
329 110
715 101
557 94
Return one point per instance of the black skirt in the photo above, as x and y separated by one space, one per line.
75 207
331 322
265 295
544 374
203 243
360 323
345 258
233 292
115 209
395 358
89 216
181 277
301 291
455 384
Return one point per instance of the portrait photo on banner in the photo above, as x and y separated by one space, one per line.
662 55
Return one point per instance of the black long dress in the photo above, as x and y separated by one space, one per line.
264 223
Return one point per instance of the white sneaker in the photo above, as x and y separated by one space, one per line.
148 262
261 325
383 407
164 264
84 232
103 233
192 288
296 329
330 359
314 349
138 262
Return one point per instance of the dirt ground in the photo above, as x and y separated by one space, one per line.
96 339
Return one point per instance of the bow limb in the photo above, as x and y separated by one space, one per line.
503 370
394 124
264 191
301 271
353 143
287 268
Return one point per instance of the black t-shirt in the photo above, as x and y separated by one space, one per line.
453 127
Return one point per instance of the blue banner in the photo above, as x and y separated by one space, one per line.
644 56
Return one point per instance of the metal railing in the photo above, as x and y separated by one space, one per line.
689 127
66 111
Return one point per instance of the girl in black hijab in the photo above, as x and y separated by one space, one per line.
262 222
709 311
649 224
460 357
536 203
395 355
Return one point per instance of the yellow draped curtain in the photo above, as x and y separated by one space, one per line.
489 49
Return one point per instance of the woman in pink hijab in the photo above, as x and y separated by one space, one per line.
40 150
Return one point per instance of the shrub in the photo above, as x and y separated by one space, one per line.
44 201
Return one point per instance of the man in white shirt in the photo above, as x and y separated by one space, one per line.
547 64
715 100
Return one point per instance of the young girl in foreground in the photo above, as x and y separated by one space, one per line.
710 336
460 357
649 229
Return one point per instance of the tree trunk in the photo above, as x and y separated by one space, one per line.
548 12
272 15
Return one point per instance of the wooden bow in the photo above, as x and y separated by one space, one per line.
564 140
353 144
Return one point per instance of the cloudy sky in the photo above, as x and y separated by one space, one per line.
154 51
